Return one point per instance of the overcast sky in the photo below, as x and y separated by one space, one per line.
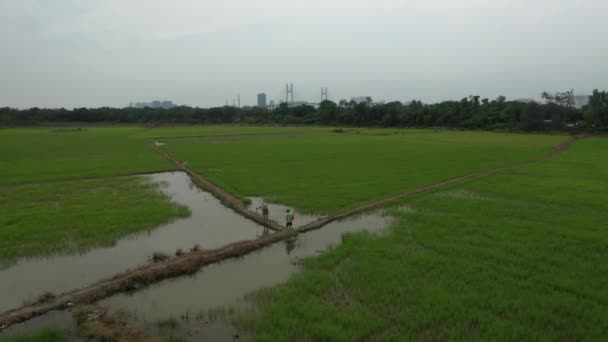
74 53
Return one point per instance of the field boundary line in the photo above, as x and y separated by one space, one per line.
348 131
232 202
273 135
224 196
556 150
86 178
223 136
191 262
141 276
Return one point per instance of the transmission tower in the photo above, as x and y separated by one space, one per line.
288 91
324 94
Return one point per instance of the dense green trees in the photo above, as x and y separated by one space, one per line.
531 117
473 112
597 110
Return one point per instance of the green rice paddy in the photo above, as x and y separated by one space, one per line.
329 172
517 255
513 256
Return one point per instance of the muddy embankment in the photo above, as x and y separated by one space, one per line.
100 324
389 199
232 202
191 262
140 277
84 323
224 196
204 302
211 225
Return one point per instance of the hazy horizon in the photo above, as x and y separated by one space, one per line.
75 53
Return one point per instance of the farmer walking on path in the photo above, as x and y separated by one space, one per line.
289 219
265 210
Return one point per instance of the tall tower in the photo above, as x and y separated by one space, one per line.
324 94
288 91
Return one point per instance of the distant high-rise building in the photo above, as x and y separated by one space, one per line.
154 104
262 100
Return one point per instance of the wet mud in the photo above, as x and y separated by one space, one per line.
53 319
224 196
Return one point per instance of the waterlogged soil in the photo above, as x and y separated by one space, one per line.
189 304
211 225
53 319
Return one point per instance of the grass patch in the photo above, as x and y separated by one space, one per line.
72 216
50 208
328 172
34 155
515 256
44 335
40 154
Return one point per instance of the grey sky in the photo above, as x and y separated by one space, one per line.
72 53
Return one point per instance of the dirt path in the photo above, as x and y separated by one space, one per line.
226 137
232 202
224 196
137 278
556 150
191 262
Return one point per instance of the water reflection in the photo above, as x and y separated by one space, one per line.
224 283
290 244
211 225
53 319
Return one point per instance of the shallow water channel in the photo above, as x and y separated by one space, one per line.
54 319
190 300
211 225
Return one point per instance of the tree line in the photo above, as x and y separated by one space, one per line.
558 112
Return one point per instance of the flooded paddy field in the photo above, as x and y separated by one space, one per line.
520 248
191 307
211 225
194 307
53 320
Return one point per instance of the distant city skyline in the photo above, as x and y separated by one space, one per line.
262 100
166 104
69 53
